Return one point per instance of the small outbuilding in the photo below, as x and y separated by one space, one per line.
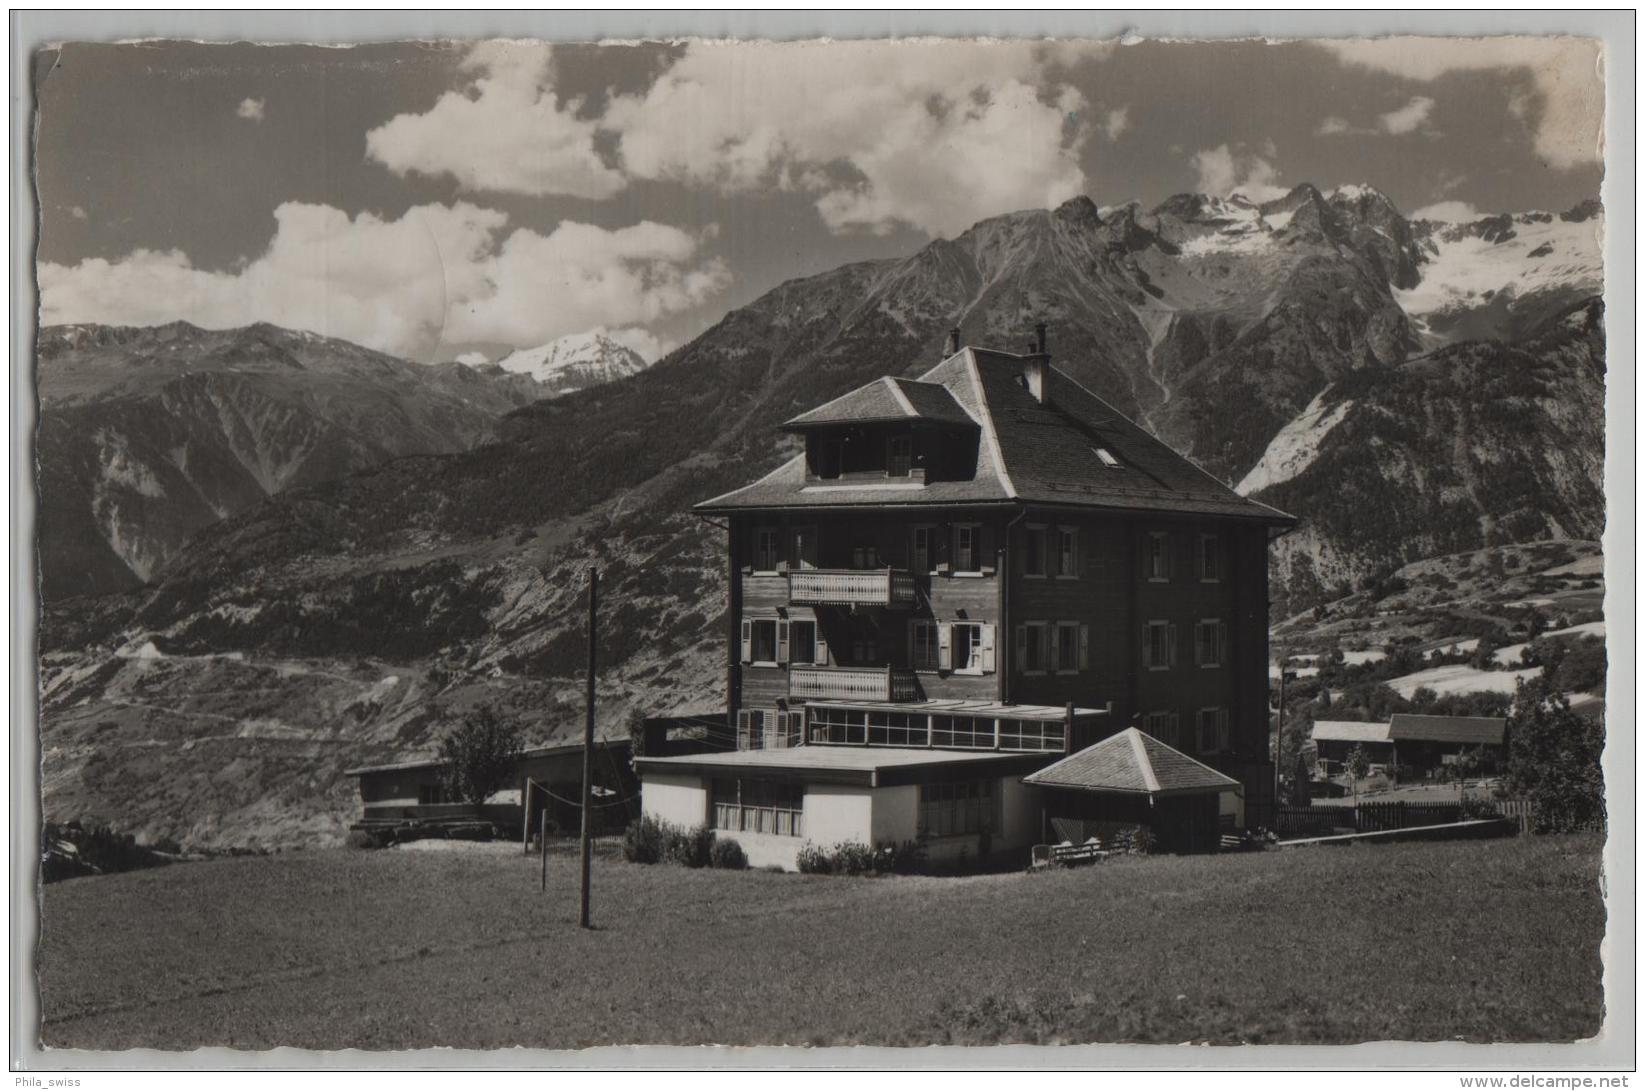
1334 740
1424 743
1134 779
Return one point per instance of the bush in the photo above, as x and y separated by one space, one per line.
360 839
856 858
727 854
814 860
900 858
691 847
643 840
1142 841
479 755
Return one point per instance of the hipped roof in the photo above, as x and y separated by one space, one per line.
1028 451
1132 763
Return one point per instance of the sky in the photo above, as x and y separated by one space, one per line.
467 198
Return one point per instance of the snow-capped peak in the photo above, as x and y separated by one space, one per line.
576 360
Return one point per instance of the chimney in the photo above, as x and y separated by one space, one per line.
953 345
1036 365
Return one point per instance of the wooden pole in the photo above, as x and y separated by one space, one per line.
525 820
542 843
588 742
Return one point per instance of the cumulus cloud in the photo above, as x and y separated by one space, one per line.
1407 118
936 135
1333 125
1117 121
507 132
1223 172
1451 212
1564 71
251 109
436 274
473 359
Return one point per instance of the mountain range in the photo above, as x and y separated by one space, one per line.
1405 387
148 434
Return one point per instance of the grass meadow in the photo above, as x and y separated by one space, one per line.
392 949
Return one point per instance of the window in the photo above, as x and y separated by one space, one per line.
899 456
767 551
925 645
1040 735
1161 725
1210 642
802 643
1213 730
1158 564
839 725
1159 645
760 643
1032 656
830 457
865 650
1033 551
967 547
1073 647
1210 558
802 548
948 810
898 728
758 806
751 729
429 794
921 555
865 555
963 732
1067 553
972 648
1107 457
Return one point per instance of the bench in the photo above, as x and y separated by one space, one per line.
1067 854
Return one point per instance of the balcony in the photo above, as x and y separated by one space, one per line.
851 684
851 587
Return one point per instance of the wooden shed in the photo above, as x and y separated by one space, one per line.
1133 778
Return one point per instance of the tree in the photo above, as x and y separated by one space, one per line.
1553 760
479 755
1582 670
1357 766
1300 777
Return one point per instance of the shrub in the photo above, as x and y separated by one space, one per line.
1142 841
643 840
900 858
853 858
479 755
691 847
814 860
360 839
727 854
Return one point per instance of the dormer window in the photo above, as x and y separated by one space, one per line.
899 456
1107 457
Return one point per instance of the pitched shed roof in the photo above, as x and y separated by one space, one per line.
1133 763
1472 730
887 399
1073 449
1349 731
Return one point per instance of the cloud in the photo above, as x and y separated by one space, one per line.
936 135
506 132
1407 118
437 274
1565 73
77 212
643 341
473 359
1116 122
1332 126
251 109
1224 173
1451 212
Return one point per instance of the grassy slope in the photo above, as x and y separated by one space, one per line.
1483 941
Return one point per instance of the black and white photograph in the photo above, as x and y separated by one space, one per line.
894 541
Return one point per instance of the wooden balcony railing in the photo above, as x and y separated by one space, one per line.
851 587
851 683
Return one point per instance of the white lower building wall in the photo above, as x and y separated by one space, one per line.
680 799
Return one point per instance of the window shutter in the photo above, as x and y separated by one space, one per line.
1171 645
1085 647
983 542
1073 553
819 654
987 633
942 539
1147 647
782 642
1022 647
743 719
945 646
748 640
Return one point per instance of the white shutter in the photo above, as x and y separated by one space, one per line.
1021 656
748 640
1085 647
945 646
782 642
819 654
987 633
1171 645
1147 645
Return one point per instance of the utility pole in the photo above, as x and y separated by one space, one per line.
588 742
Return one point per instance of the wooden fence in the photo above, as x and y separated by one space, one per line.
1294 822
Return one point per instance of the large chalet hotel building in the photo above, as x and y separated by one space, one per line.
964 584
